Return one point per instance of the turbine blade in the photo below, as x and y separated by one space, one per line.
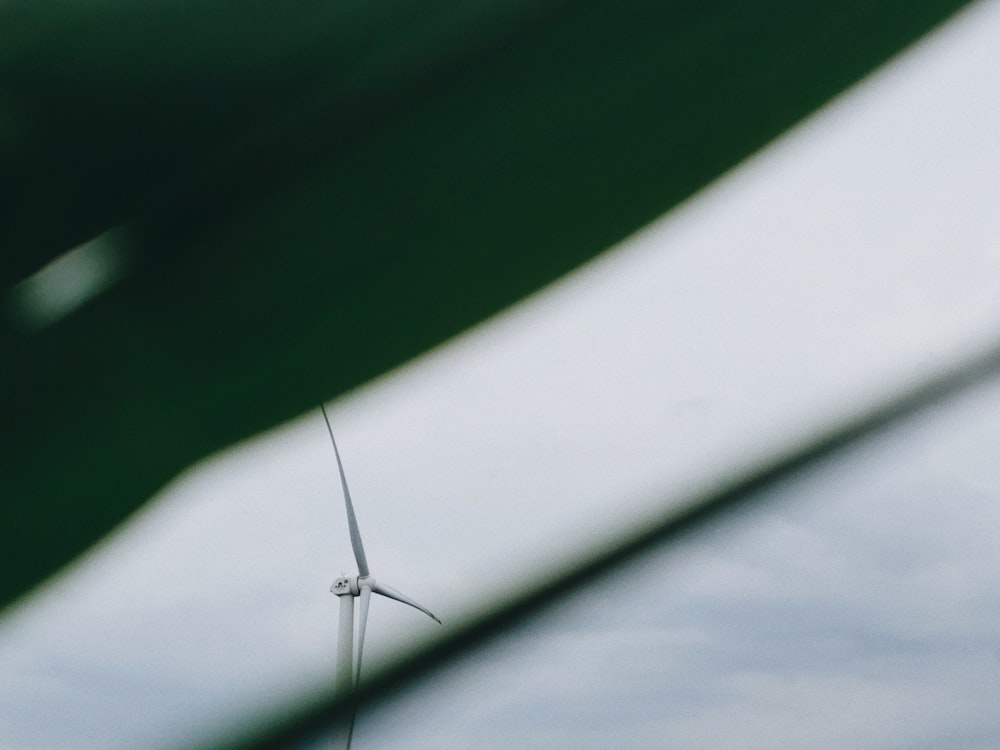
352 522
366 595
381 588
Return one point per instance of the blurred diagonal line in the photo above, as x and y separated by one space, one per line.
741 491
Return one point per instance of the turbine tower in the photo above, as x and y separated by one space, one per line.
363 585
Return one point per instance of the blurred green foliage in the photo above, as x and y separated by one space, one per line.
306 194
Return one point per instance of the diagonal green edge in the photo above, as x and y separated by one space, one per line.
399 195
738 493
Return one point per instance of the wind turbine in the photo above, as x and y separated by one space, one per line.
363 585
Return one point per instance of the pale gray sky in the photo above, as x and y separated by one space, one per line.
858 252
859 609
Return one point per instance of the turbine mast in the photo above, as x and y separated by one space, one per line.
344 681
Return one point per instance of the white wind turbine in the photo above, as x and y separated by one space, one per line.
363 585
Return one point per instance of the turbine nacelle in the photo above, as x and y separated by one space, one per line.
342 586
351 585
